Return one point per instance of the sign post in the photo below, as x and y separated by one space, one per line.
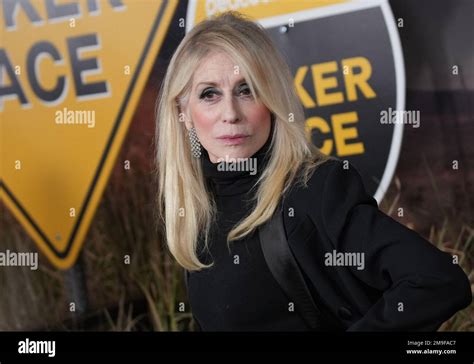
77 290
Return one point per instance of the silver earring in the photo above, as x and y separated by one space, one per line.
195 144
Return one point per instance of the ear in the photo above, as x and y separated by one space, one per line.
183 115
188 123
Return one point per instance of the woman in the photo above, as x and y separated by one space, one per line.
231 154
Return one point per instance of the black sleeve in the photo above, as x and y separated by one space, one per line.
422 285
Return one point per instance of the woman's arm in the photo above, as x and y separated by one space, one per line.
422 285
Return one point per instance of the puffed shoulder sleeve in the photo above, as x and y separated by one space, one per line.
422 286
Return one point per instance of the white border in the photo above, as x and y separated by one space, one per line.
354 5
400 81
190 14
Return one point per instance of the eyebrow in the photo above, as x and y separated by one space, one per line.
211 83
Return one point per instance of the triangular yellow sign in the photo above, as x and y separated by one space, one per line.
71 75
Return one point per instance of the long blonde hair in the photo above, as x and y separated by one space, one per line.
186 209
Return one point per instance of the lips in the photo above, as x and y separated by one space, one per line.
233 139
232 136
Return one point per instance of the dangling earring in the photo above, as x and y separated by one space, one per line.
195 144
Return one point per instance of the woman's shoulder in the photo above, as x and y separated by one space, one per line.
331 184
335 175
327 201
323 169
312 180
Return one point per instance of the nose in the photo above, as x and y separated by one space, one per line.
231 110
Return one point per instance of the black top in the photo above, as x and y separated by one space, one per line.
238 293
405 283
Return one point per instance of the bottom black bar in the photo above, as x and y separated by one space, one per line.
448 347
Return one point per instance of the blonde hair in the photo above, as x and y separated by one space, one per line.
186 209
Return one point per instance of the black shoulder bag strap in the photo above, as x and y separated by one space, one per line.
285 269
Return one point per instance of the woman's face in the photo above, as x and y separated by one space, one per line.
229 122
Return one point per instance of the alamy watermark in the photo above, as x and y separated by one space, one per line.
28 346
75 117
346 259
237 164
391 116
9 258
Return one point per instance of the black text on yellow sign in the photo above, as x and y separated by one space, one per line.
45 53
356 72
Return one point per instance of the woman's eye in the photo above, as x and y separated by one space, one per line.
207 94
245 90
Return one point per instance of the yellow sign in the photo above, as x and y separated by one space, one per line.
71 74
199 10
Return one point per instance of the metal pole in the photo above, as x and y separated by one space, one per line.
76 286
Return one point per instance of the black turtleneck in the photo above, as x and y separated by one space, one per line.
238 293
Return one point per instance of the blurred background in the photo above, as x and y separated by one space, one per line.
124 278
